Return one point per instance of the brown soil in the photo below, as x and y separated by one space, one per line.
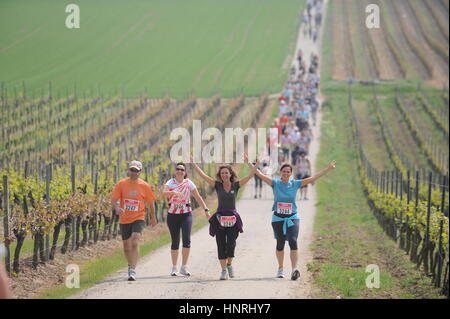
362 39
345 22
413 61
440 66
387 67
338 27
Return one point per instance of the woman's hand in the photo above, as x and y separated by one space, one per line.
176 194
245 158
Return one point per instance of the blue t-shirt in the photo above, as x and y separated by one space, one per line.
287 93
304 114
285 195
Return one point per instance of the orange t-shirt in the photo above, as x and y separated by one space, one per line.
284 119
132 196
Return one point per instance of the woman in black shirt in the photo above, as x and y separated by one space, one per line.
226 224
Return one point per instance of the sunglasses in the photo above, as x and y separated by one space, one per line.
134 170
180 169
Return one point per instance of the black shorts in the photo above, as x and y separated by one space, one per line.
135 227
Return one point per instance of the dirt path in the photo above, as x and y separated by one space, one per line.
255 263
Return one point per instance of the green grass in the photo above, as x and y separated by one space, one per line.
351 282
157 46
93 271
348 237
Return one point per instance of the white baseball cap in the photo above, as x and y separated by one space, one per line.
135 164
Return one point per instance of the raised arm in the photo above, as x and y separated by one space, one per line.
202 174
245 180
258 173
308 180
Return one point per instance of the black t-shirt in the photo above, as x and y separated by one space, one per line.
294 155
226 200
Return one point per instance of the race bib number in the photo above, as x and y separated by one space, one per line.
131 205
227 221
176 204
284 208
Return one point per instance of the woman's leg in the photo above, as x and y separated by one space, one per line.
174 228
221 248
232 234
292 236
279 252
186 228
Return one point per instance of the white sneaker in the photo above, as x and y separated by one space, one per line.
280 273
131 274
224 275
174 271
184 271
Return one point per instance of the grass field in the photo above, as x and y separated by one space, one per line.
348 237
153 46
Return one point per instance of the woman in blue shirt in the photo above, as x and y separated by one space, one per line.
285 219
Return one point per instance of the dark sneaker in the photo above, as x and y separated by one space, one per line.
295 274
230 271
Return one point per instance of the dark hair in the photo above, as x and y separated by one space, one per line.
230 169
184 165
286 165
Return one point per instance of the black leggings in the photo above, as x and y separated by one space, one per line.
291 234
177 222
226 241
